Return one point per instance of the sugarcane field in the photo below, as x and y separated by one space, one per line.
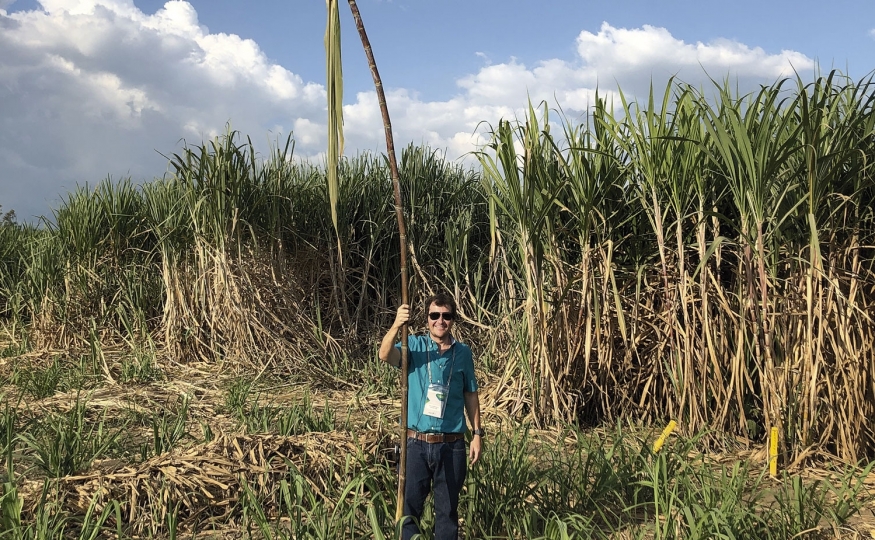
663 309
670 306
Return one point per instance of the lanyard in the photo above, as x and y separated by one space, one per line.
428 363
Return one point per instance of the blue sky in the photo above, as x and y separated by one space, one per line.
97 88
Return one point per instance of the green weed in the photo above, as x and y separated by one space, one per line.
39 383
295 419
140 367
15 349
237 396
168 428
60 375
64 443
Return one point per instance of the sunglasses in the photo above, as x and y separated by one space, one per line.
435 315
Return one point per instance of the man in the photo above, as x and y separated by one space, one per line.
441 384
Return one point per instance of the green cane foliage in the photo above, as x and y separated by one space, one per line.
501 487
140 366
252 512
753 310
92 526
61 374
64 443
49 521
237 396
168 428
849 493
832 113
589 460
10 501
8 438
218 180
656 141
15 349
105 248
802 507
446 220
753 140
810 506
525 187
11 504
40 382
356 510
296 419
15 250
334 88
676 493
722 502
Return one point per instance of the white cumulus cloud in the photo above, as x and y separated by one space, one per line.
635 56
90 88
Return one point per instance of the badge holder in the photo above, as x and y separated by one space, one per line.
436 400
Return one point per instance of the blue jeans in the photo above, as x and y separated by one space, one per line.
442 466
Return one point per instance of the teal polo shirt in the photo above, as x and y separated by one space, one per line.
422 350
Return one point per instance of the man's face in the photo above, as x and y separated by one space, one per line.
439 321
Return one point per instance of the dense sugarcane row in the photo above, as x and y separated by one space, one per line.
695 255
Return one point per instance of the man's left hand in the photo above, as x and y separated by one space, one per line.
475 449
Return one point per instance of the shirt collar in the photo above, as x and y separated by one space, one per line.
435 343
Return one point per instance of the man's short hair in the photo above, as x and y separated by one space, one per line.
441 300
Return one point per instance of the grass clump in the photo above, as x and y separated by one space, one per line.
140 367
64 443
15 349
168 428
244 405
37 382
286 420
237 396
60 374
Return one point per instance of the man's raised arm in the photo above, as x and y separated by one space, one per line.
388 353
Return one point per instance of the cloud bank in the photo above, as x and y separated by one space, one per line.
91 88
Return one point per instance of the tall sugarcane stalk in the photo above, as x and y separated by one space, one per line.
332 46
402 236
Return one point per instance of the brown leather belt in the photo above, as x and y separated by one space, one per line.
434 437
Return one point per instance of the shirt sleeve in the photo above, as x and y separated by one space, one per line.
412 344
470 377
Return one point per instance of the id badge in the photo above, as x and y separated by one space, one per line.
436 400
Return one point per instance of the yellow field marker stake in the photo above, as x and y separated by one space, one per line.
773 452
665 433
